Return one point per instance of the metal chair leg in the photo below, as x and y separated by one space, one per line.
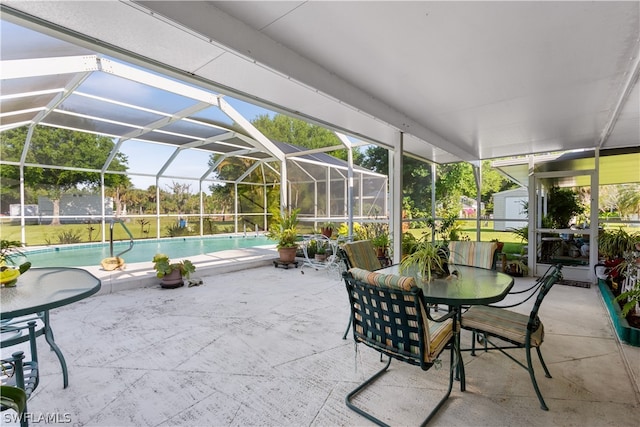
543 405
344 337
544 366
382 371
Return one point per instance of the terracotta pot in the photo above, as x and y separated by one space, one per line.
172 280
287 255
327 232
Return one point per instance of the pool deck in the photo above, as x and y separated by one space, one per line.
141 274
263 346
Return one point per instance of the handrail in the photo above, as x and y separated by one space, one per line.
113 221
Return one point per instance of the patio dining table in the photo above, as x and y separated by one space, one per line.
466 286
37 292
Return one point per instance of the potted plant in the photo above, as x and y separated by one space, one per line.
500 245
614 243
9 250
327 229
172 273
321 252
517 268
426 260
381 242
624 309
284 229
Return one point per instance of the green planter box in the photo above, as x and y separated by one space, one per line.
626 333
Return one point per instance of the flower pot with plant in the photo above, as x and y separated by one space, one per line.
9 251
381 242
327 229
172 273
321 252
284 229
426 260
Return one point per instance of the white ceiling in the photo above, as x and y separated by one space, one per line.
462 80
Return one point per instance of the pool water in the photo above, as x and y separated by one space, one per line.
143 250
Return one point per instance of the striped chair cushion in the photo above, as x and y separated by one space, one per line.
392 281
361 254
502 323
477 254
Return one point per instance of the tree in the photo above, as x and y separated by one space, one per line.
453 180
629 199
298 132
61 148
278 128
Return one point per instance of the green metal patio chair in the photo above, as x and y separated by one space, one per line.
16 372
359 254
21 375
514 330
389 315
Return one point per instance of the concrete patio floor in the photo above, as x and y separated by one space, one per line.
263 346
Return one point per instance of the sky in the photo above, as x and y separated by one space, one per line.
148 158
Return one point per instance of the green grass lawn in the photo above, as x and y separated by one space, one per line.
512 243
37 235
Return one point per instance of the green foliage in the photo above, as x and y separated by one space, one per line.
614 243
445 229
409 243
381 241
174 230
90 229
163 266
284 229
521 232
9 249
629 267
68 237
563 205
300 133
452 181
61 147
426 258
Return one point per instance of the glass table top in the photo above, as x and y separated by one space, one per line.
41 289
472 285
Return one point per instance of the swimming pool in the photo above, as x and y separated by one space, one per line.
143 250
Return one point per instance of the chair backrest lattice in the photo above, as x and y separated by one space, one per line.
389 315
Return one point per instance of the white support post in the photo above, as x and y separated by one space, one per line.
395 176
477 174
284 182
350 202
201 207
434 171
158 207
594 226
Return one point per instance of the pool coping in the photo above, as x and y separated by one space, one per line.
141 274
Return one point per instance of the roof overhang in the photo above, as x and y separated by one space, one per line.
461 81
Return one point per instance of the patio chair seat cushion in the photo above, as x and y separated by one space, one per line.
503 323
361 254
